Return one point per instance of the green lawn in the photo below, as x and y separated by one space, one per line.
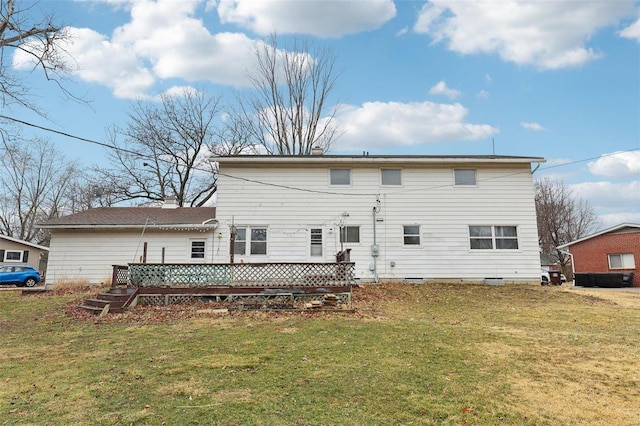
410 354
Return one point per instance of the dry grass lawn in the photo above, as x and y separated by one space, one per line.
436 354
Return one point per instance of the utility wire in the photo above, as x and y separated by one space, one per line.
142 156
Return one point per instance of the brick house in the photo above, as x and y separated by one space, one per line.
616 249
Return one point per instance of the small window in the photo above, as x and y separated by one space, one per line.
240 242
340 176
258 241
197 249
391 176
622 261
411 235
316 242
350 234
465 177
13 256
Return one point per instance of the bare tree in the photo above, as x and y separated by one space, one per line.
35 179
287 113
562 218
164 151
41 39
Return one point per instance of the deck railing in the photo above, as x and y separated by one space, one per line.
239 274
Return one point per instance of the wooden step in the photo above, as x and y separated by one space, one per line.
101 303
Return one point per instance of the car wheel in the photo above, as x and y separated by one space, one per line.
30 282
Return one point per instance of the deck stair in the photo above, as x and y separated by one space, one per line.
116 300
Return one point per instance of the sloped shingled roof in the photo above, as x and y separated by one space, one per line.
118 217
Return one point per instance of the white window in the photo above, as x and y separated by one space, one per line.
493 237
350 234
240 242
391 176
411 235
464 177
622 261
197 250
255 238
258 240
316 242
340 176
13 256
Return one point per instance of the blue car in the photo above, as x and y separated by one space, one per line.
20 275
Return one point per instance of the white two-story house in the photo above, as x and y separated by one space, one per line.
453 218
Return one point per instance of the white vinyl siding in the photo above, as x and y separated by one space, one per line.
89 255
622 261
425 197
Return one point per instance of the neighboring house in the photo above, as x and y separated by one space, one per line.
86 245
13 250
401 217
616 249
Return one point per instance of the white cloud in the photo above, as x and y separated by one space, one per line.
545 34
380 125
315 17
532 126
483 94
609 196
632 31
618 164
441 89
97 60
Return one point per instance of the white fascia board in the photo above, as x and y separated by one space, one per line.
26 243
385 160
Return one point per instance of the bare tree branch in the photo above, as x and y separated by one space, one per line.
286 113
561 217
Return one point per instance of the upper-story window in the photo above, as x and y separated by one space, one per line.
465 177
391 176
340 176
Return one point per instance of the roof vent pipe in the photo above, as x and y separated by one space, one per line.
317 151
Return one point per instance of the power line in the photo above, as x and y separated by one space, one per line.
293 188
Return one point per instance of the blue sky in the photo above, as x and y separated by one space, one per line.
556 79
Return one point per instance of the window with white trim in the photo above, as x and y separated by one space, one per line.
350 234
411 235
13 256
340 176
258 241
198 249
464 177
622 261
316 241
240 241
493 237
391 176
